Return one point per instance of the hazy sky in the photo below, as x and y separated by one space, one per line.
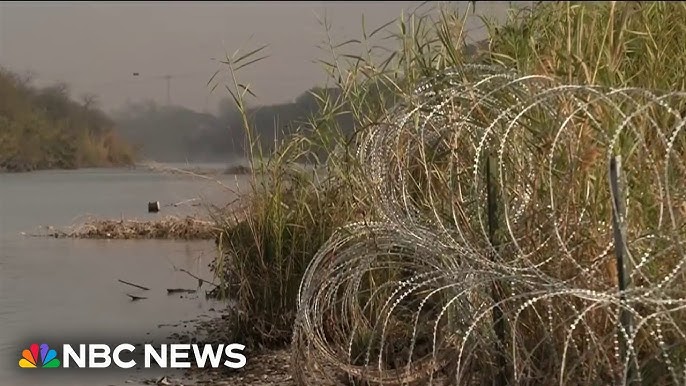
96 47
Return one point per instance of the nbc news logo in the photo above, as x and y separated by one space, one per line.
30 358
174 356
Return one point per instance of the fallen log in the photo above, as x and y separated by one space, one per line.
134 285
171 291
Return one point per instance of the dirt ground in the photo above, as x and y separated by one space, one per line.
265 369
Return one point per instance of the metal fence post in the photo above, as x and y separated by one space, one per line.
496 292
623 262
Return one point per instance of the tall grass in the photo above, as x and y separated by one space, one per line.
608 43
396 208
291 210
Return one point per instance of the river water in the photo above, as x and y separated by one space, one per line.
67 290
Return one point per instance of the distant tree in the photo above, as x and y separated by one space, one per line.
174 133
45 128
89 101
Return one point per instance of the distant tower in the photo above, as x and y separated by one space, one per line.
168 79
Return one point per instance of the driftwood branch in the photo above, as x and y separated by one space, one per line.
171 291
134 297
134 285
200 280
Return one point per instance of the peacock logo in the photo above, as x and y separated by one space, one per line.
30 359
